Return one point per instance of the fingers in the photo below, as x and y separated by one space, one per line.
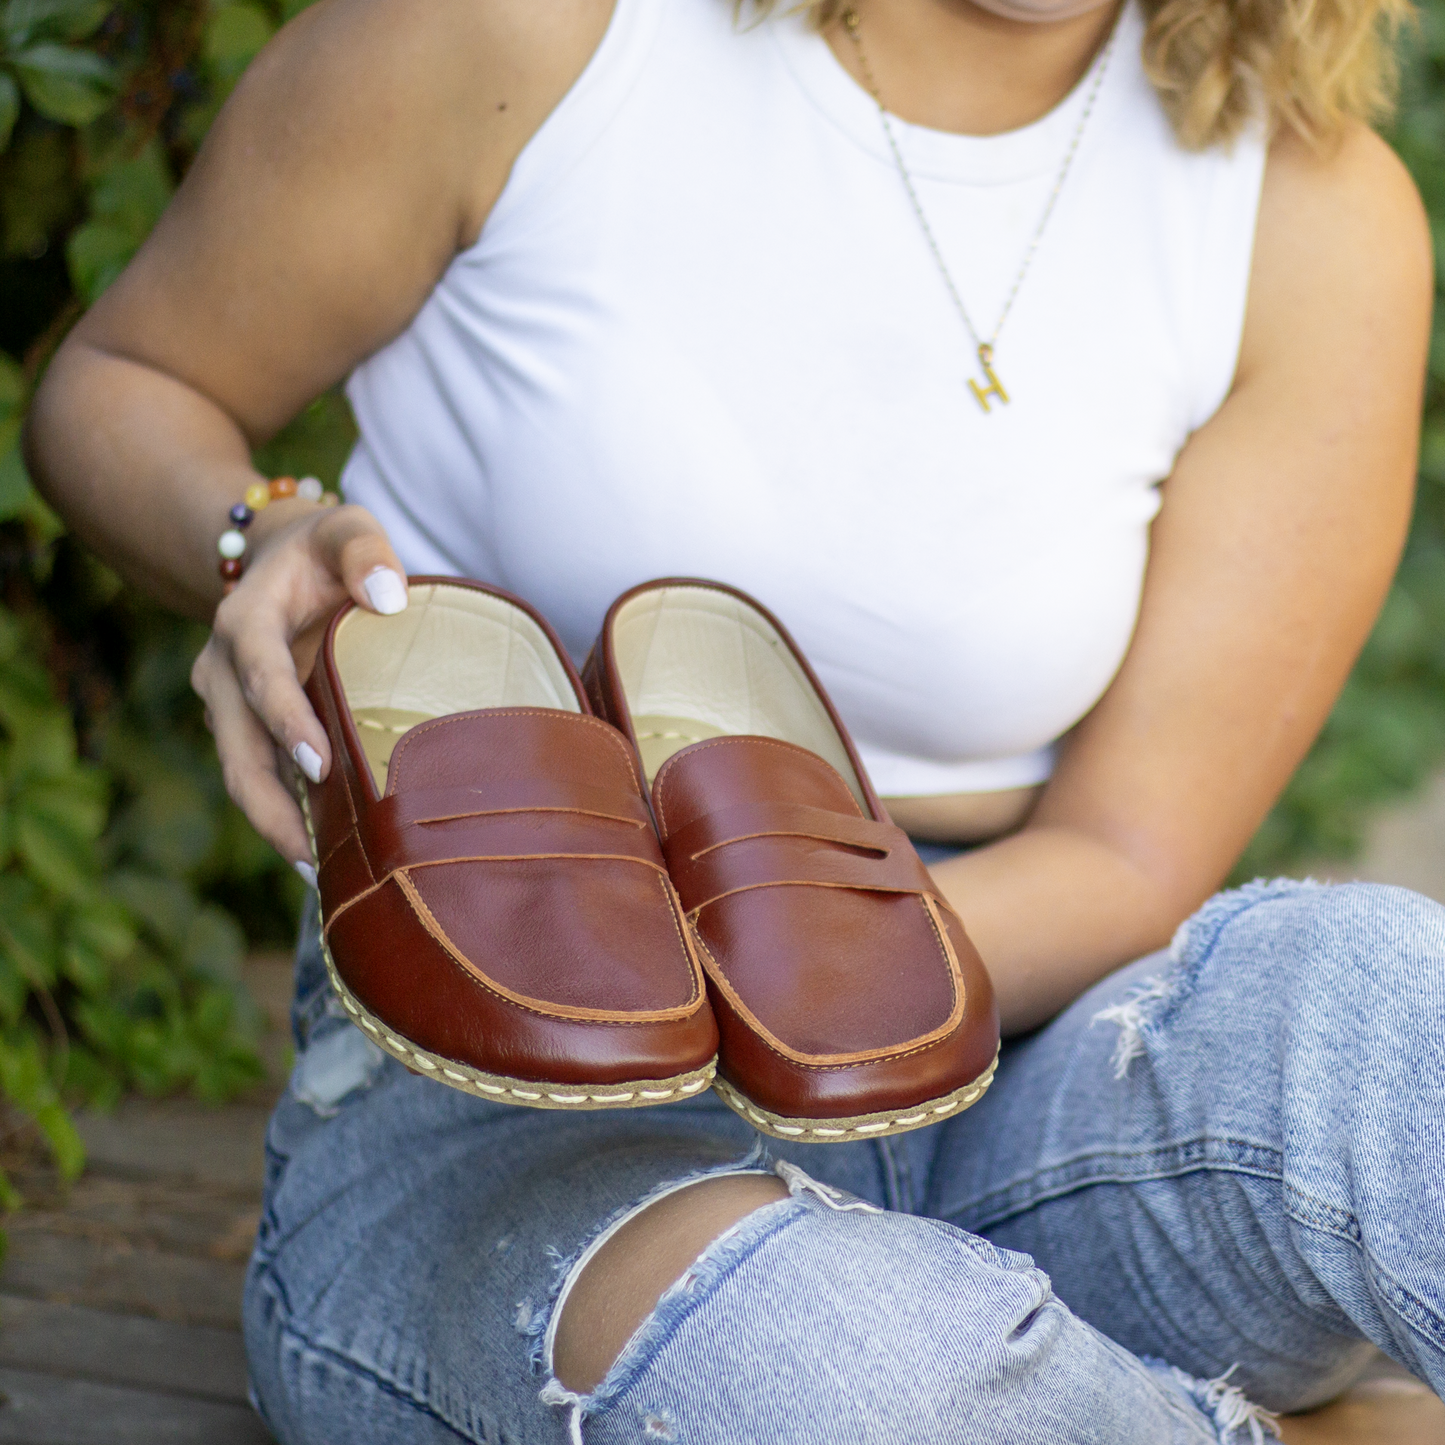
354 546
247 672
248 759
252 637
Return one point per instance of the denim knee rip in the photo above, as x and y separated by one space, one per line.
1150 1003
333 1057
688 1292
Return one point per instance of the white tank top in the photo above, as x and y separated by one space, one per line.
701 333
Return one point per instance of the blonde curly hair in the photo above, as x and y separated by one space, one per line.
1308 65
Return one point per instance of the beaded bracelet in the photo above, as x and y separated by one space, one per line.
256 498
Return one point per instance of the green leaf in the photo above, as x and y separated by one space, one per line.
15 488
26 20
56 822
96 254
64 84
65 1143
132 193
9 107
102 925
26 1082
13 388
125 203
52 854
27 930
10 635
236 33
42 743
163 905
14 987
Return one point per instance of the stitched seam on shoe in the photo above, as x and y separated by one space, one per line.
694 969
351 833
891 1120
540 1007
775 1045
659 785
951 964
608 731
485 858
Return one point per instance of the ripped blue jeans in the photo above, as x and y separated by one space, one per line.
1199 1194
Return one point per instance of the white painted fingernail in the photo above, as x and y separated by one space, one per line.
308 760
307 872
385 590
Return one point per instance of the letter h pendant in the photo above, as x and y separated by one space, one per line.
981 394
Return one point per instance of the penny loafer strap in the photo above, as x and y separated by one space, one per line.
768 844
508 818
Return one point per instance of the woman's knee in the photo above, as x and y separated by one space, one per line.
820 1318
620 1279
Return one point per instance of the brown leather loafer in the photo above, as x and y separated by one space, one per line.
849 999
496 910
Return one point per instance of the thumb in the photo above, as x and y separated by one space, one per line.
358 553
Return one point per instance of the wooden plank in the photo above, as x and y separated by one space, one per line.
121 1349
42 1409
116 1276
146 1138
180 1217
1380 1412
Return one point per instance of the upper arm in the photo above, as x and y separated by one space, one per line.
361 150
1279 533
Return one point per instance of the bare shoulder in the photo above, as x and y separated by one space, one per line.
362 149
448 88
1342 248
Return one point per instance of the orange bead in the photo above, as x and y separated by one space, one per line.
257 495
282 487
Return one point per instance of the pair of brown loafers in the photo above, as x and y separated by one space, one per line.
506 911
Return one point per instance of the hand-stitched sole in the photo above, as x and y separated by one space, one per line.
636 1094
859 1126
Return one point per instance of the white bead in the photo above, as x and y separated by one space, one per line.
310 489
232 543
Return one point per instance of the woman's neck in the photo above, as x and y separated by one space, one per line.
951 66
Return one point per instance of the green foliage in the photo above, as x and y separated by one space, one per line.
130 886
1388 729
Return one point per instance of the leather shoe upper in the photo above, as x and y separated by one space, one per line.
503 900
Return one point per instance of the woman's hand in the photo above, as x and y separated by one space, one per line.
262 642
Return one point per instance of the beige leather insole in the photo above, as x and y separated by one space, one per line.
658 738
381 729
453 650
697 664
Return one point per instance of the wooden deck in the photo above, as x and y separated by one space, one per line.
120 1300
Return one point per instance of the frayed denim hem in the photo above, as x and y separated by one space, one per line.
1237 1419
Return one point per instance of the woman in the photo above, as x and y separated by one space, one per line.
656 288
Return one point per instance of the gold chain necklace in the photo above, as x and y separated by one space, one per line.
985 347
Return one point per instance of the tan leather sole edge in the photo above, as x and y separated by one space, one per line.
859 1126
636 1094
